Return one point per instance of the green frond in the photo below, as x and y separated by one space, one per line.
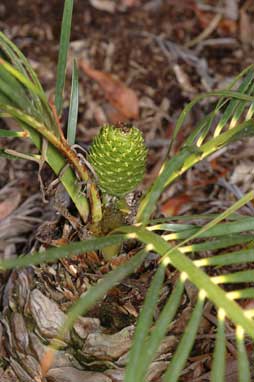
23 99
235 123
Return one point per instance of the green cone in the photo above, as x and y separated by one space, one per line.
118 156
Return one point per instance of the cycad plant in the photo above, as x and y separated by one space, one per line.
98 186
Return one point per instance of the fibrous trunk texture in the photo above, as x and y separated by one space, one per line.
32 315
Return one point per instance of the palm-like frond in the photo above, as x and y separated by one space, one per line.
193 269
23 99
235 122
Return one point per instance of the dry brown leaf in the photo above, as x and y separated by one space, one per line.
173 206
119 95
113 115
9 205
47 360
130 3
104 5
246 28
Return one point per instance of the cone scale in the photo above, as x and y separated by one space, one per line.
118 156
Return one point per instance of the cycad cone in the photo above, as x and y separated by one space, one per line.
118 156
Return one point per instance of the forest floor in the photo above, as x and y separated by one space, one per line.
157 55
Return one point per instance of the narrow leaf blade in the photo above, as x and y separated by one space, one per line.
74 102
183 350
63 52
54 254
159 330
243 362
219 356
144 323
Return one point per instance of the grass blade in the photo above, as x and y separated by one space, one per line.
219 355
203 126
53 156
244 225
193 217
22 66
237 277
232 108
240 109
194 274
200 132
173 227
148 204
37 95
159 331
12 134
238 257
217 93
63 53
144 323
243 130
54 254
73 112
14 90
23 80
182 161
18 59
182 352
243 362
213 225
214 229
243 293
224 242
